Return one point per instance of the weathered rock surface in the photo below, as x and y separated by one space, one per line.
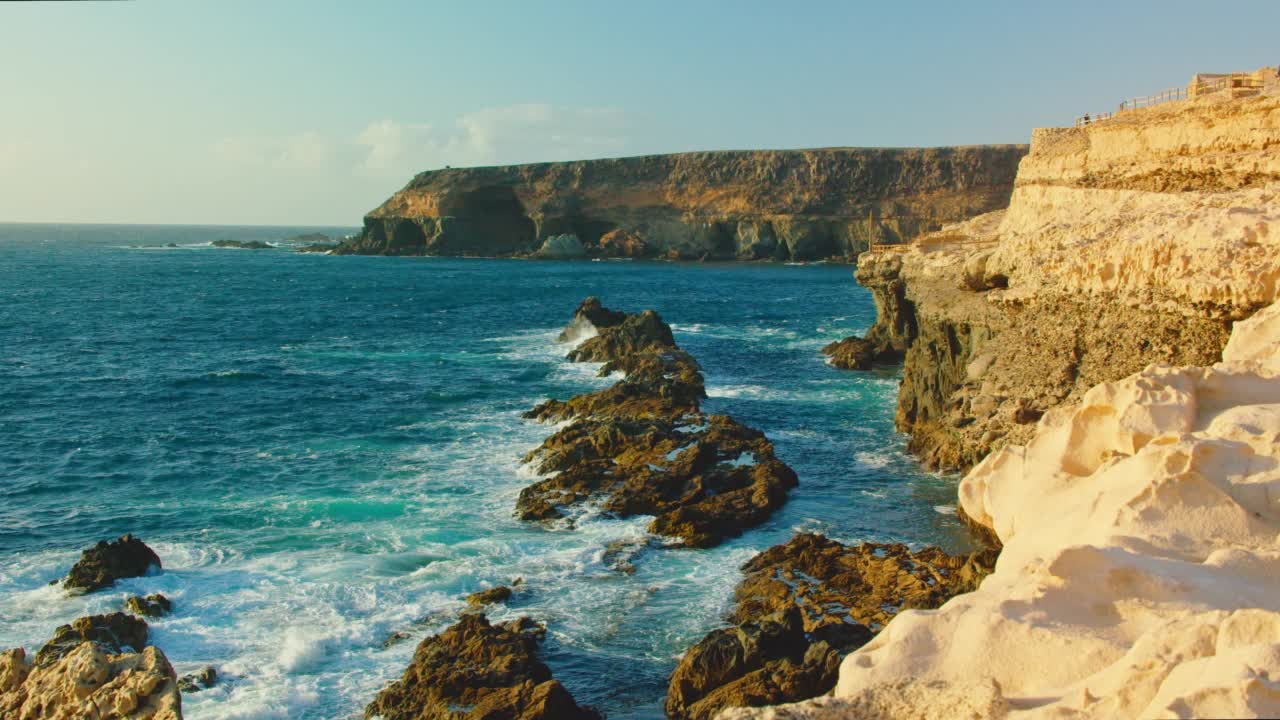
203 679
491 596
155 605
96 668
763 205
114 633
800 607
851 353
1093 272
642 446
101 565
477 671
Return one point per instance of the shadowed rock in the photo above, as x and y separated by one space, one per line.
800 606
152 606
115 633
479 599
475 671
203 679
101 565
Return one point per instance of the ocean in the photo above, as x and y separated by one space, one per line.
327 450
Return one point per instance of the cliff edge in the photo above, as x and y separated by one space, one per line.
1134 240
750 205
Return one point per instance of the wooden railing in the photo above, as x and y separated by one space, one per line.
1239 80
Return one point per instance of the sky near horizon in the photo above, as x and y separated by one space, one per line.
312 112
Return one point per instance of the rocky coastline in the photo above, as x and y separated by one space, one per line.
643 447
792 205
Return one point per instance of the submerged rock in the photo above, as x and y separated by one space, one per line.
203 679
155 605
476 670
101 565
800 607
243 244
643 447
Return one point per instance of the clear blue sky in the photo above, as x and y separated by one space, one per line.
312 112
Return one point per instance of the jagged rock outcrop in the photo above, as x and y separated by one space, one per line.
800 607
115 633
643 447
478 671
96 668
101 565
154 605
1095 271
754 205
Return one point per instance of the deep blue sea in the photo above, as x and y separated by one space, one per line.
326 450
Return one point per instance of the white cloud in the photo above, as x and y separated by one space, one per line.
509 134
308 150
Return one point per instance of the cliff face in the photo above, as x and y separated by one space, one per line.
1132 241
784 205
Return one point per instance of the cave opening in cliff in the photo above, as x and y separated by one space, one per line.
497 220
407 237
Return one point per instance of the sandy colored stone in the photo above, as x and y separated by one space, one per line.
89 683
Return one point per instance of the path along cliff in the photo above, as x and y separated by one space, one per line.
747 205
1114 337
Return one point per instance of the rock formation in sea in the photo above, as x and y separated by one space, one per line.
1131 241
101 565
800 608
478 671
1118 331
643 447
96 668
751 205
243 244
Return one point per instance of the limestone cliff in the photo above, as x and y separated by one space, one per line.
784 204
1131 241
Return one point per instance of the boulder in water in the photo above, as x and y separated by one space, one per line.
476 670
202 679
101 565
155 605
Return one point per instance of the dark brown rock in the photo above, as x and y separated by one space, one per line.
851 353
478 671
481 598
754 664
643 447
800 606
203 679
115 633
101 565
152 606
623 244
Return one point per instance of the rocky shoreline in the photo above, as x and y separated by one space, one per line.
643 447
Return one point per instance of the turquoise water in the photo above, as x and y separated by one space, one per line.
327 450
